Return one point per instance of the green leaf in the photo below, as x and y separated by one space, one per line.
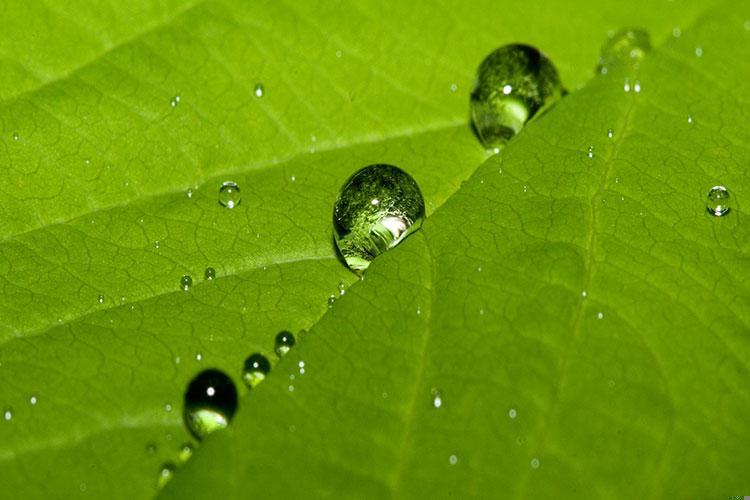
650 398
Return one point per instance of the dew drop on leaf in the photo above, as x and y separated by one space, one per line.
690 119
255 370
718 201
8 414
437 398
377 208
535 463
590 152
625 48
210 273
512 413
186 282
166 472
610 133
175 101
259 90
189 193
151 447
16 137
186 451
284 342
210 402
229 194
100 299
513 83
453 460
33 400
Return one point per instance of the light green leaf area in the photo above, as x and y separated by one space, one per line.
118 124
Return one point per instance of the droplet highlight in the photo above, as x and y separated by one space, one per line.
377 208
513 84
718 201
259 90
186 282
284 342
229 194
166 472
186 451
210 402
437 398
256 368
209 274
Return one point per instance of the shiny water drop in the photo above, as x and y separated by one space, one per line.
16 137
186 282
512 413
625 48
698 51
590 152
255 370
676 32
437 398
151 447
535 463
210 273
8 414
259 90
189 193
165 474
599 315
186 451
637 87
626 85
198 356
168 407
229 194
100 299
210 402
342 288
610 133
331 301
33 400
690 119
175 101
157 245
284 342
453 459
377 208
513 83
718 201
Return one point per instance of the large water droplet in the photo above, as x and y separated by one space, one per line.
626 48
256 369
513 83
186 282
229 194
210 402
718 201
284 342
165 474
377 208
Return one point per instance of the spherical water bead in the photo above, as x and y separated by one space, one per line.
256 369
259 90
16 137
437 398
186 282
625 48
512 413
284 342
165 474
610 133
229 194
210 273
100 299
718 201
186 451
175 101
377 208
453 459
535 463
513 83
590 152
210 402
8 414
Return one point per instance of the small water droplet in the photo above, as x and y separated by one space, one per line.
175 101
259 90
690 119
718 201
363 230
437 398
610 133
331 301
535 463
454 87
599 315
293 178
676 32
210 273
8 414
590 152
301 366
165 474
157 244
698 51
168 407
284 342
189 192
453 459
151 447
419 311
513 83
210 402
186 451
198 356
342 288
229 194
637 87
625 48
291 388
186 282
33 400
626 85
512 413
16 137
100 299
339 54
256 369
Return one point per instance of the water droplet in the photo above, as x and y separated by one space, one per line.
186 451
210 273
690 119
338 54
535 463
363 229
186 282
437 398
331 301
453 459
33 400
175 101
512 413
165 474
100 299
626 85
16 137
157 244
256 369
610 133
590 152
454 87
599 315
284 342
8 414
189 193
419 311
198 356
168 407
301 366
583 294
513 83
698 51
676 32
210 402
718 201
151 447
637 87
291 388
229 194
625 48
259 90
342 288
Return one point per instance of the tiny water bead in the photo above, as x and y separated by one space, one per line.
8 414
259 90
610 133
210 273
590 152
437 398
256 369
229 194
210 402
16 137
513 83
625 48
718 201
284 342
33 400
165 474
186 451
453 459
175 101
512 413
100 299
186 282
377 208
535 463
